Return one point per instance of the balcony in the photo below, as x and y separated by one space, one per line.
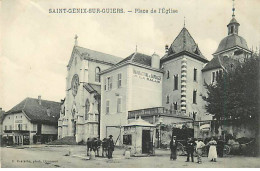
155 111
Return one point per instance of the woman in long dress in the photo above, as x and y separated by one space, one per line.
212 150
173 147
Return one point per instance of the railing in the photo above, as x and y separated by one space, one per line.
154 111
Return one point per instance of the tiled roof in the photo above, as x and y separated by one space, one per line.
95 55
223 62
37 112
184 42
139 58
230 41
92 88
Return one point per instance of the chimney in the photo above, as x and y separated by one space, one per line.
155 61
166 48
40 100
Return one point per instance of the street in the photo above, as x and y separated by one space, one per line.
41 156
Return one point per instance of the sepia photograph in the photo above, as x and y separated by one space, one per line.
130 84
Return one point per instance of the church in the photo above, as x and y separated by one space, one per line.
105 92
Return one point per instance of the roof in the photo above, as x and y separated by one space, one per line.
220 62
230 41
138 58
233 21
140 122
92 88
37 112
95 55
184 42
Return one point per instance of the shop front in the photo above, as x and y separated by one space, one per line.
16 137
139 137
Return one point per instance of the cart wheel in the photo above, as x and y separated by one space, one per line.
180 149
226 150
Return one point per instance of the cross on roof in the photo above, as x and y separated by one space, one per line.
233 9
76 40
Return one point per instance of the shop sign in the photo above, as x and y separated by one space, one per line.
205 126
147 76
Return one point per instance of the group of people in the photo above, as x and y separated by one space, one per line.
195 146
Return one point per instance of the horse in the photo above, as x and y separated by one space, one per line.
93 144
105 147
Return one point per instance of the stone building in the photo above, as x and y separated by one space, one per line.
109 92
31 121
80 112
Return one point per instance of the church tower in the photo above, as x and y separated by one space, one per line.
233 46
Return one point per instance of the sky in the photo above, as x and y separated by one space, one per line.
36 45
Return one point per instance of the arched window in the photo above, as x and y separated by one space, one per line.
168 74
97 77
87 105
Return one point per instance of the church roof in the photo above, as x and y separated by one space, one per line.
184 43
231 41
38 112
92 88
89 54
138 58
223 62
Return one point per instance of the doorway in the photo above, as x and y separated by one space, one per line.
146 139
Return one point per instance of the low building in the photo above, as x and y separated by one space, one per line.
31 121
2 112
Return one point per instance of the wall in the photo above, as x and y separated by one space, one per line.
15 119
49 129
114 118
143 92
198 85
174 67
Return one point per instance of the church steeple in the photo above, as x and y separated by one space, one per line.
233 24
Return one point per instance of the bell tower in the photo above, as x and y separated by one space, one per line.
233 24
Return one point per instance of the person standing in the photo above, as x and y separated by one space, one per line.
190 149
220 146
212 150
199 147
111 146
173 147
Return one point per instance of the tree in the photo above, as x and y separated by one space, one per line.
235 96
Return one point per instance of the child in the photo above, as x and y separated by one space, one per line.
199 147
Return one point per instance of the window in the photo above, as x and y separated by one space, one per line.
20 127
194 96
168 74
175 82
107 107
213 77
195 74
97 76
25 126
175 106
232 29
87 105
109 81
119 105
167 99
119 80
5 127
10 127
96 118
217 76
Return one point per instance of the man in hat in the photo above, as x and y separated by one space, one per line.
190 149
173 147
199 147
110 147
